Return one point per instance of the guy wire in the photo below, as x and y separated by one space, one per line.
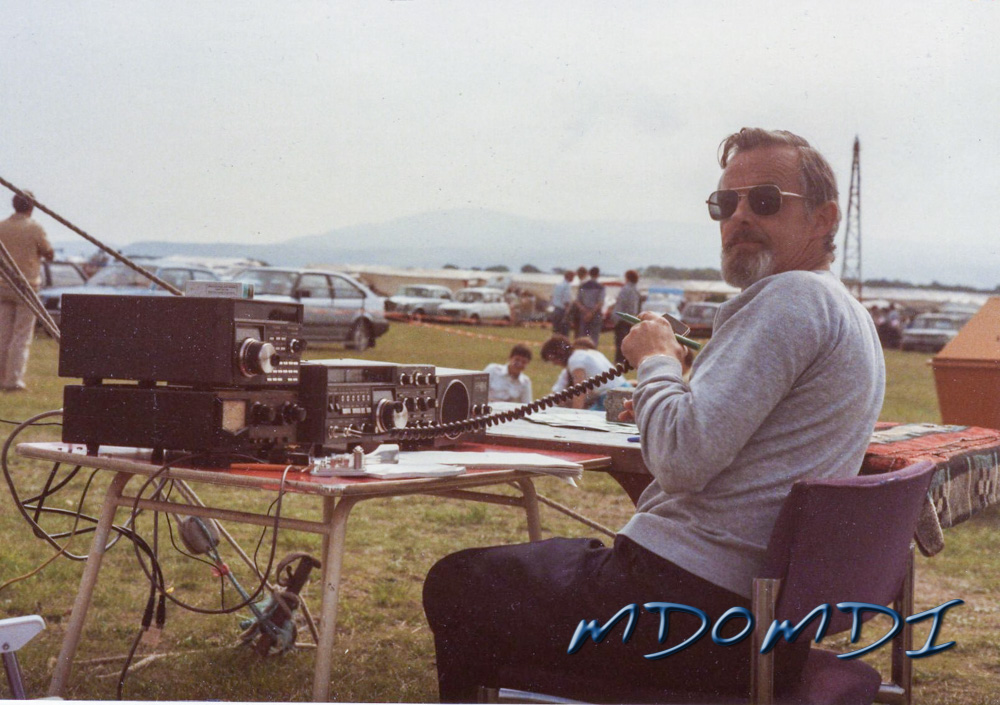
93 240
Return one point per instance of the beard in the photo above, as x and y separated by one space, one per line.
741 269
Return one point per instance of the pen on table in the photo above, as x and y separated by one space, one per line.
687 342
633 439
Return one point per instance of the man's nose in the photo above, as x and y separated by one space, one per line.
743 210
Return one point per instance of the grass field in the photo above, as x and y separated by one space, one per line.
384 650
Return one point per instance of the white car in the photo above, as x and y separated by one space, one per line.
477 304
418 299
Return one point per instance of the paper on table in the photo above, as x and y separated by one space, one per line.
536 462
573 418
392 471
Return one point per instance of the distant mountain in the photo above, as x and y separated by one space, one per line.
476 238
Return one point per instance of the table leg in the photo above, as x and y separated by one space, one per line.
333 555
530 503
82 603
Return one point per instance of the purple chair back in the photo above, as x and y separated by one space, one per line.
845 540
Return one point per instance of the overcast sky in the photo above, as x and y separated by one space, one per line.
261 121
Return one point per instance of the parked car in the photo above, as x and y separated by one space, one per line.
661 303
59 273
118 279
700 317
336 307
477 304
418 299
931 331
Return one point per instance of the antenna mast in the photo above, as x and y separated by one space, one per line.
850 272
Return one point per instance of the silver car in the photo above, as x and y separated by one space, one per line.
335 306
931 331
418 299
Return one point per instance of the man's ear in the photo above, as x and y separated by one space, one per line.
823 218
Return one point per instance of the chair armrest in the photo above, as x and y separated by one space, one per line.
18 631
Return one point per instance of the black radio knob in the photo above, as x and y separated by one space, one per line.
292 412
296 346
261 413
410 403
256 357
422 403
404 378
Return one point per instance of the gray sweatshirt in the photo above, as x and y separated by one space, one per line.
789 388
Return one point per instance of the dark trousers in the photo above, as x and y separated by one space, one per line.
591 329
621 330
505 607
560 321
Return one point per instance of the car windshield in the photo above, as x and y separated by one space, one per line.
63 274
420 291
266 282
468 297
119 275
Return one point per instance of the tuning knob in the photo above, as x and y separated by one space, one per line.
257 358
261 413
390 415
296 346
292 412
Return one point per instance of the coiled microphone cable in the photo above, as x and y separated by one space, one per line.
478 423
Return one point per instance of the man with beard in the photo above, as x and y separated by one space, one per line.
788 388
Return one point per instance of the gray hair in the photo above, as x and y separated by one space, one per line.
819 185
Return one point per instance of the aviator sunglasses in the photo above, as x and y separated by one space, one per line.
763 200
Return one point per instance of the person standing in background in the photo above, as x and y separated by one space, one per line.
590 303
562 299
627 302
25 240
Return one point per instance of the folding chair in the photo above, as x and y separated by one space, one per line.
834 541
15 633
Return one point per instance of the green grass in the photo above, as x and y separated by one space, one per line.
384 651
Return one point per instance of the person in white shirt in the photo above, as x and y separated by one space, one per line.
508 381
580 360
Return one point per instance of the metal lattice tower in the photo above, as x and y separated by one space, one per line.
850 272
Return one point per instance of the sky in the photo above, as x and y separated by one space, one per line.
263 121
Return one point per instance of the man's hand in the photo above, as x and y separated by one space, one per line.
628 415
653 336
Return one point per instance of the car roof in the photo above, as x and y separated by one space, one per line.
290 270
159 264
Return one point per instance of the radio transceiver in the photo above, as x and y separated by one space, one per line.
349 399
225 376
258 422
208 342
